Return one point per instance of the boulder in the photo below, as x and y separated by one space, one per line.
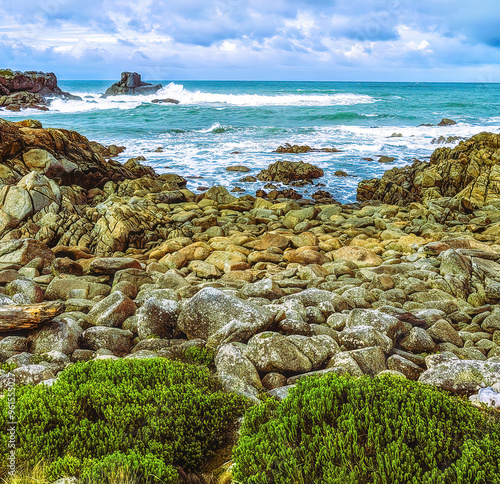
112 310
32 374
62 334
110 265
157 317
364 337
265 288
462 375
131 84
23 251
359 255
370 360
236 372
221 318
273 352
290 171
119 341
61 287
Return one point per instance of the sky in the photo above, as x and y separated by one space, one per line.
338 40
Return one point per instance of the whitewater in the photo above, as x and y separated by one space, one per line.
219 124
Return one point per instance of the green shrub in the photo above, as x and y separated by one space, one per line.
146 416
199 356
354 431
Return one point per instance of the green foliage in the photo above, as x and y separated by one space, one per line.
357 431
7 367
6 72
144 416
199 356
116 467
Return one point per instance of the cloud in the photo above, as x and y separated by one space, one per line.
324 39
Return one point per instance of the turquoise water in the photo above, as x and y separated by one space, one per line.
218 124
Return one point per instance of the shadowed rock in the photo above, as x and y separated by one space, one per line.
131 84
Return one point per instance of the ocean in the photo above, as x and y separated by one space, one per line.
223 123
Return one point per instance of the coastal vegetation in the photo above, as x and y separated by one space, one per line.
148 418
368 430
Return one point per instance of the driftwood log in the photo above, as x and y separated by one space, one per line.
28 316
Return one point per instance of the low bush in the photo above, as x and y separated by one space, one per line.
354 431
144 417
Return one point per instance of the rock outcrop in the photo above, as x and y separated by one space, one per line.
469 173
59 154
131 84
19 90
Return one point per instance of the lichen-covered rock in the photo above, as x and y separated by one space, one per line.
157 317
112 310
119 341
273 352
236 372
462 375
361 256
221 318
62 335
64 155
22 251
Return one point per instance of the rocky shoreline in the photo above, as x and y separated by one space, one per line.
406 282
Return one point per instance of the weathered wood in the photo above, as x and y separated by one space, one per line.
28 316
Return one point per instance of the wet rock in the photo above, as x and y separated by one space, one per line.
467 173
238 168
446 122
289 171
288 148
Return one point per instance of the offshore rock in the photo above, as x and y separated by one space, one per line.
290 171
131 84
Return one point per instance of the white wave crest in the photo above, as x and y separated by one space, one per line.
177 91
94 102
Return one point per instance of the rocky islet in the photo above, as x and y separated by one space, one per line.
30 89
